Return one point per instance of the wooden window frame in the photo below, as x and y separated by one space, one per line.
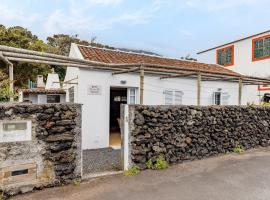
222 49
253 48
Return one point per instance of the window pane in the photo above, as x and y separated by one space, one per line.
217 96
262 48
132 100
168 97
178 97
71 94
53 99
225 56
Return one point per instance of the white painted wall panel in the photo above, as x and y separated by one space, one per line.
95 109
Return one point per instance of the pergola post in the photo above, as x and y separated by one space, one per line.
141 84
11 76
240 91
199 80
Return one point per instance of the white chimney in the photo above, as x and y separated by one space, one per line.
53 81
40 82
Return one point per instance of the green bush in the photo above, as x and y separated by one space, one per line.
76 182
132 171
159 164
238 149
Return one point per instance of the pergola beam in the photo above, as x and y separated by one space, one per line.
178 75
126 71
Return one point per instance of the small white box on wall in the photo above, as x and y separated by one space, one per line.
15 131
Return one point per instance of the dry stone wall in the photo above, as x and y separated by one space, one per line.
181 133
53 154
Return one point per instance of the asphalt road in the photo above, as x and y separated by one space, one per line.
233 177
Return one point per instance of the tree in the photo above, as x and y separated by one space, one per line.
22 38
62 44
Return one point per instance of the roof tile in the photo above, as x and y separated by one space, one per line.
120 57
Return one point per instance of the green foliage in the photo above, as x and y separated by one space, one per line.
159 164
22 38
132 171
4 88
2 197
238 149
266 104
77 182
149 164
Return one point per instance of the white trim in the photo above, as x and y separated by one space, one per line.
126 137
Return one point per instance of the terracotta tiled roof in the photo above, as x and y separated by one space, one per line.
120 57
43 91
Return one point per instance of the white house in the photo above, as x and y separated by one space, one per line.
101 92
51 92
249 56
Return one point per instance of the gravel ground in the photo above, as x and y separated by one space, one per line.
101 160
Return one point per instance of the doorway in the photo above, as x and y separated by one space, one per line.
118 96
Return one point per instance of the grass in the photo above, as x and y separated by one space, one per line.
159 164
132 171
238 149
2 196
75 183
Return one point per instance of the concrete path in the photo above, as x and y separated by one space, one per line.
241 177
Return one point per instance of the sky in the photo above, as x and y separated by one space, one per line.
173 28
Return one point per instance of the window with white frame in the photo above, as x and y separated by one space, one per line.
71 94
173 97
217 98
132 95
221 98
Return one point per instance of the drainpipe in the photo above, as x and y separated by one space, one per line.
11 77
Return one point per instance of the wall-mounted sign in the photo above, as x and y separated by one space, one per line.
94 90
15 131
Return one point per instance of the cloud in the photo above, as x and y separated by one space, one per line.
17 17
104 2
214 5
60 21
79 18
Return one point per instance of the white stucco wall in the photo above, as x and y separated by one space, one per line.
243 64
72 74
95 109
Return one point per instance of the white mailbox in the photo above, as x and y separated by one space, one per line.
15 131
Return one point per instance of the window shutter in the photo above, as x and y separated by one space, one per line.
178 97
168 97
225 98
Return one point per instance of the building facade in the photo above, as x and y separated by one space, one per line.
51 92
248 56
102 92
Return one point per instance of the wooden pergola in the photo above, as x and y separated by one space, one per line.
11 54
